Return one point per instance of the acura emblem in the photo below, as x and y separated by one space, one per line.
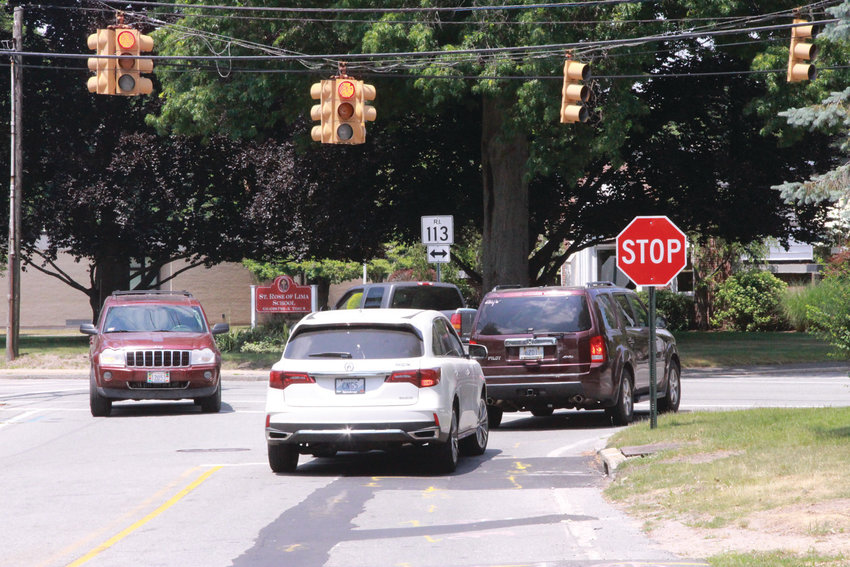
349 366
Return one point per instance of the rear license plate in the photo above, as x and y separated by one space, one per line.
350 385
530 352
159 377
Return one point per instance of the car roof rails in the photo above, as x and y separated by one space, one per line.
506 286
601 284
152 292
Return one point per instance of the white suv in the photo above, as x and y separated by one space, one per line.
373 379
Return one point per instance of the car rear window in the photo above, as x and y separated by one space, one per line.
370 342
426 297
517 315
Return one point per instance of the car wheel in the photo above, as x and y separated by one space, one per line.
624 411
446 454
100 406
211 404
542 412
670 402
494 416
283 458
476 443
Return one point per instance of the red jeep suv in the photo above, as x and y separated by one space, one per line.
153 345
572 347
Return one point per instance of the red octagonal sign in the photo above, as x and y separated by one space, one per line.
651 251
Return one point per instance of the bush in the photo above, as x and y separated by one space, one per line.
676 308
265 338
798 300
828 313
750 301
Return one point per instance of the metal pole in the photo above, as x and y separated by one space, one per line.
653 353
16 176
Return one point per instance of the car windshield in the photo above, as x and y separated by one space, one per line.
519 315
354 342
162 318
426 297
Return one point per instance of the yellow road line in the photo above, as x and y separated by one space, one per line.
124 533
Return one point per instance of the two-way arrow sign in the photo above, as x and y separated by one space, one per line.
439 254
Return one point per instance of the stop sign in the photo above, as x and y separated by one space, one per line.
651 251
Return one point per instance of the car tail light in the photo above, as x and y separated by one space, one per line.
424 378
597 349
456 321
280 380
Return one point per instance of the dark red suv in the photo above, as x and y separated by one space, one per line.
153 345
572 347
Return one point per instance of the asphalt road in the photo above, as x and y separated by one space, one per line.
163 484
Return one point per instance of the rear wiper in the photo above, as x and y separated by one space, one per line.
330 355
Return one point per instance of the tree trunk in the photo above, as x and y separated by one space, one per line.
505 243
110 274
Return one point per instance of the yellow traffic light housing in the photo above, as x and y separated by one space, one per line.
800 52
574 94
129 44
103 42
341 111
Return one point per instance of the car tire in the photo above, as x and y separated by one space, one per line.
542 412
283 458
211 404
494 416
446 454
476 443
624 411
670 402
100 406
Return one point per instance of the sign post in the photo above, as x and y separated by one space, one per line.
651 251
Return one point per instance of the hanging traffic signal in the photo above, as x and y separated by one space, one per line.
346 124
800 52
322 112
574 94
363 111
129 43
103 42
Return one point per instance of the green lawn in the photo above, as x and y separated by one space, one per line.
731 348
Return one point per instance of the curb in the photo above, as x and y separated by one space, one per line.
611 459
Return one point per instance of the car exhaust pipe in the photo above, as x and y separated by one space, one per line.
577 399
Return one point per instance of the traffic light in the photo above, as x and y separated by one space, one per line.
800 52
323 111
130 43
103 42
574 94
341 111
363 111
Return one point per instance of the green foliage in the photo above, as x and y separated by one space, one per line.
828 313
750 301
270 338
676 308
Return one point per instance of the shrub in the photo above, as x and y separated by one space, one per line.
750 301
265 338
828 314
676 308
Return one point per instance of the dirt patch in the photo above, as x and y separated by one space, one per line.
49 361
823 527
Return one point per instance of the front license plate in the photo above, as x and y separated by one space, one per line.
530 352
159 377
350 385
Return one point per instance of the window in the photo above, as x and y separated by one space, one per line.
641 315
445 342
373 298
351 300
625 309
368 341
427 297
609 315
520 315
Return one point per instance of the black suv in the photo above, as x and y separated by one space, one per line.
572 347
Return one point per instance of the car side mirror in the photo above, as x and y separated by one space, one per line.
88 329
477 352
221 328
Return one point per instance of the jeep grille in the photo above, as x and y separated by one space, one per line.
158 358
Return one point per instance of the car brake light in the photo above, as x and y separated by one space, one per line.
597 349
456 321
280 380
425 378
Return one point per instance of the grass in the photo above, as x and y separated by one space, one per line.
745 469
732 348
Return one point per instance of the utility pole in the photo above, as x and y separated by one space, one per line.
16 176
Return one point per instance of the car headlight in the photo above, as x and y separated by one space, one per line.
112 357
203 356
